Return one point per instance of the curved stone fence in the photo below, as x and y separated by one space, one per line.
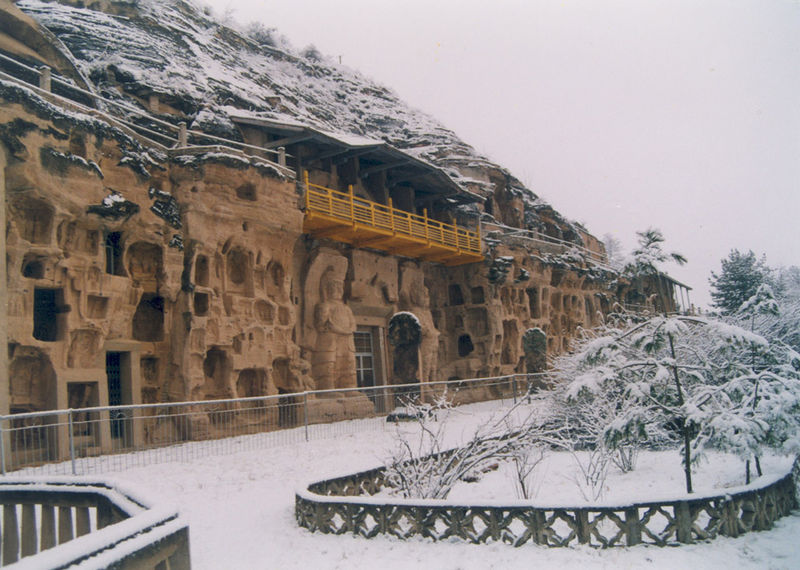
344 505
59 523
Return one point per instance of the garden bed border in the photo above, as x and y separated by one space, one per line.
344 505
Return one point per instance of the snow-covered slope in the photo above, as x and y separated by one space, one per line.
200 68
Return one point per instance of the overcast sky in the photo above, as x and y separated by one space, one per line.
678 114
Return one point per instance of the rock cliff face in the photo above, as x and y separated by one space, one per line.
142 273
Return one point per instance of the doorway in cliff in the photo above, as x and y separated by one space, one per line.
118 376
405 337
368 364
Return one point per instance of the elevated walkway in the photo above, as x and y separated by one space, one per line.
362 223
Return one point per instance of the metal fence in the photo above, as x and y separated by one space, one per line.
101 439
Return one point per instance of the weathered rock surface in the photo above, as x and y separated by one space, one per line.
186 274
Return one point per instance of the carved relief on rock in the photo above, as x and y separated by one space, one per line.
332 324
414 298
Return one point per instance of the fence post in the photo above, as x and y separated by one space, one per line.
282 156
305 412
514 387
683 522
2 447
71 441
45 77
183 135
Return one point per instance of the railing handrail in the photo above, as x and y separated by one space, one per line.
109 542
271 397
596 258
465 239
235 145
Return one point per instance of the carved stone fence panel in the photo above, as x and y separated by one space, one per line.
346 505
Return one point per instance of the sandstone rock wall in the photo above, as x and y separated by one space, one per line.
192 274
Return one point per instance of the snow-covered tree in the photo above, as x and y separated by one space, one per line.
614 253
649 255
688 379
738 280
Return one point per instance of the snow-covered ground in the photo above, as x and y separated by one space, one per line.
240 510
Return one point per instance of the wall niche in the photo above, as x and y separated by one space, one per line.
252 382
48 307
34 219
201 271
145 262
201 303
33 266
148 320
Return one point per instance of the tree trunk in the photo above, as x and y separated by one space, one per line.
687 438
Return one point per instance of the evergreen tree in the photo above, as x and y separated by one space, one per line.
705 383
649 255
738 281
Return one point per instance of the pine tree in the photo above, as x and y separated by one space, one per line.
738 281
705 383
649 255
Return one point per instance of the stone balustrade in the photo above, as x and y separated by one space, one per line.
346 505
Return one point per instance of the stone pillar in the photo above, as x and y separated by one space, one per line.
45 78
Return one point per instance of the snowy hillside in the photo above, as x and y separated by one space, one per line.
174 48
202 69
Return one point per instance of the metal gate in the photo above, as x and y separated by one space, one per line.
114 374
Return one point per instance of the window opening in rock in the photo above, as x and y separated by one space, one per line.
33 268
148 320
252 382
118 378
465 345
456 298
246 192
201 271
533 303
46 309
237 266
201 304
365 366
113 249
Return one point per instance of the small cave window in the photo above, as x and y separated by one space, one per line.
47 304
246 192
238 266
478 296
148 320
201 271
201 304
33 268
277 273
35 220
113 249
465 345
456 297
533 303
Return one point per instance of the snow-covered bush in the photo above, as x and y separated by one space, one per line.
422 466
525 461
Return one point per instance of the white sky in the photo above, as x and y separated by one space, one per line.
678 114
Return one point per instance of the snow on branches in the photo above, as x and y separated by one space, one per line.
704 383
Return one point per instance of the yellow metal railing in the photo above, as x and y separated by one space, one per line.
345 207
